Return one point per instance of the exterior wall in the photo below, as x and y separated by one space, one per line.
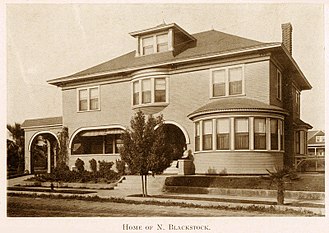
187 92
29 136
234 162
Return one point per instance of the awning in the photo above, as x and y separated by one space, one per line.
101 132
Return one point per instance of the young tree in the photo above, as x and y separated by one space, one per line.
18 147
145 148
62 157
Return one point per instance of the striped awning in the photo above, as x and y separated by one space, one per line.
101 132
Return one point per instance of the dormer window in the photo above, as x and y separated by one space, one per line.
154 44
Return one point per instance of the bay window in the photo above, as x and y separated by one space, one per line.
223 134
207 135
241 133
197 136
149 91
260 133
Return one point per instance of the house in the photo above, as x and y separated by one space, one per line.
233 101
316 143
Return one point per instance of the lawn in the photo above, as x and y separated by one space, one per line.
305 182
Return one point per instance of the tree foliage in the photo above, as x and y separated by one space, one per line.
145 148
16 149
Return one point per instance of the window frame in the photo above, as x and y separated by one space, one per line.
88 98
153 91
155 43
279 84
227 81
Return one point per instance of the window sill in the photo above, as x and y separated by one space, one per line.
227 96
156 104
96 110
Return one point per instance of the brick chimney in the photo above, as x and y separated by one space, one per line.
287 36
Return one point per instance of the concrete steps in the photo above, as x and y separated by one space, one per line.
133 184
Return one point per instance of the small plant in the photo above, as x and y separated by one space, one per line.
120 166
93 165
279 177
79 164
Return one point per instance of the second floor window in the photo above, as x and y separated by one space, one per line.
88 99
279 85
227 81
297 93
149 90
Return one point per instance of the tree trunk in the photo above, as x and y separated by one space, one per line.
280 195
143 192
146 185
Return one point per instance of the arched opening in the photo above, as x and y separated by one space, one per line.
43 152
176 138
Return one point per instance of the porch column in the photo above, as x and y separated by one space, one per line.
48 157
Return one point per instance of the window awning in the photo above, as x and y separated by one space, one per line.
101 132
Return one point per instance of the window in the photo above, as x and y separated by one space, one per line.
223 134
147 44
260 133
279 85
154 44
153 90
297 102
241 133
160 90
162 42
297 142
136 93
302 142
235 81
274 135
319 138
88 99
197 136
146 91
219 83
83 143
207 135
227 81
281 134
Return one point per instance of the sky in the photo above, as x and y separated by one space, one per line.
44 42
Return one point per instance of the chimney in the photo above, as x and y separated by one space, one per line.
287 36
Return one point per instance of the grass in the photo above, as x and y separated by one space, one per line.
47 190
265 209
304 183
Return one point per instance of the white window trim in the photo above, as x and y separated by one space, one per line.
251 133
88 98
279 84
155 44
211 91
297 98
153 103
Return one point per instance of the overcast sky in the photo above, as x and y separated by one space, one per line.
50 41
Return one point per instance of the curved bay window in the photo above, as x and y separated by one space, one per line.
107 141
239 133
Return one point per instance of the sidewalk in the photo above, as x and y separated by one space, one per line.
315 206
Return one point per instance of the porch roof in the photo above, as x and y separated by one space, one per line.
42 122
235 104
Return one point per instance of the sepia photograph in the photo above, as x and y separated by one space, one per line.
164 117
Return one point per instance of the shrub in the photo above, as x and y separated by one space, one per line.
93 165
79 164
105 170
120 166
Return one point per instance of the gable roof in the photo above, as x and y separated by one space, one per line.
51 121
311 136
208 43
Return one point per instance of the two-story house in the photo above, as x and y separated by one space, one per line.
233 101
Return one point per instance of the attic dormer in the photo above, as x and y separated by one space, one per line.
162 38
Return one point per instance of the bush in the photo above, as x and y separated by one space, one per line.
105 170
93 165
120 166
79 164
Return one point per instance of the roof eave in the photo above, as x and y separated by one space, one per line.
61 81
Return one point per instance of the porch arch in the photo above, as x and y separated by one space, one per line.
187 138
41 132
